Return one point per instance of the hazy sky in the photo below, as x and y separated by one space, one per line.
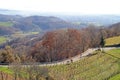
64 6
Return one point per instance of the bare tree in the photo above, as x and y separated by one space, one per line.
35 72
16 68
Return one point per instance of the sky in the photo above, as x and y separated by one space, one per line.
64 6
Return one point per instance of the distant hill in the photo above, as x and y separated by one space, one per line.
5 18
115 26
103 20
7 30
115 29
42 23
32 23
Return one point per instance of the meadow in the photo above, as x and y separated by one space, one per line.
112 41
100 66
2 39
6 24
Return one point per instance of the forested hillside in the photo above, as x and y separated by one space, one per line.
57 44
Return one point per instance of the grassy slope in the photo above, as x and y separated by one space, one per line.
116 77
2 39
112 41
97 67
6 70
6 24
115 53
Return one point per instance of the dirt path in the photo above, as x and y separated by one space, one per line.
73 59
78 57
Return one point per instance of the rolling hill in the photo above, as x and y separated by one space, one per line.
42 23
102 20
34 23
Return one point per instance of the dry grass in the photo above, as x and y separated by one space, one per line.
97 67
112 41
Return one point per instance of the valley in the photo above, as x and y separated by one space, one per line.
54 48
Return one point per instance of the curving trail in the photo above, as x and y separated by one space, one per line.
78 57
72 59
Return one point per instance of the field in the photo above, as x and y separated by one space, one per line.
116 77
6 24
6 70
2 39
34 32
112 41
115 53
23 34
99 66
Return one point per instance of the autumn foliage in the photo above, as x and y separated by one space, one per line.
55 45
60 44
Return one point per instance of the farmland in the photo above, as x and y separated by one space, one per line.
99 66
2 39
116 77
112 41
6 24
115 53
